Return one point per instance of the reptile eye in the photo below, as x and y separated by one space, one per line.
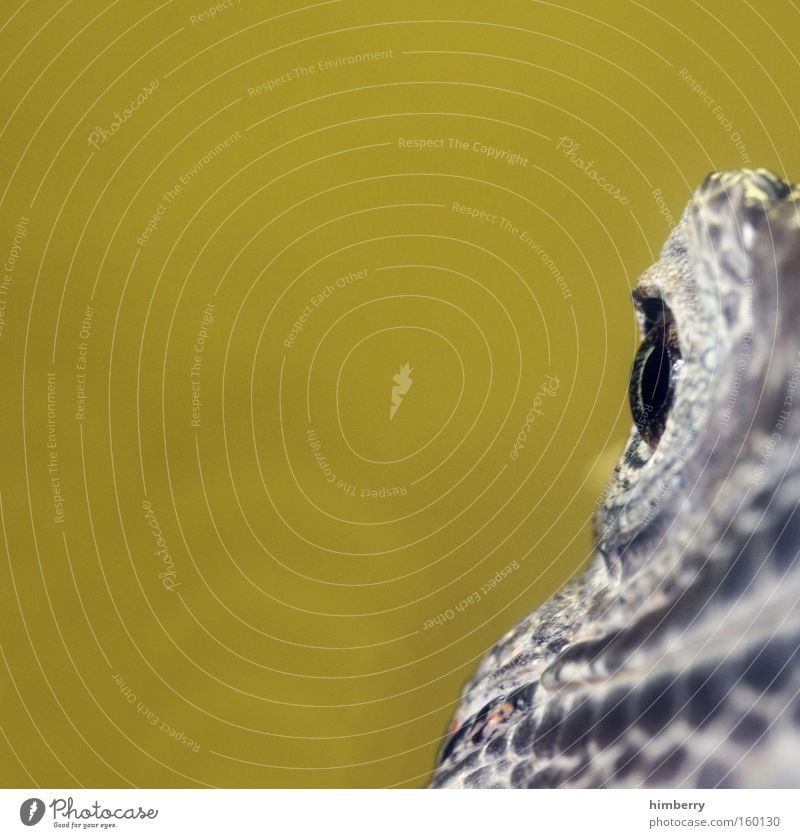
655 370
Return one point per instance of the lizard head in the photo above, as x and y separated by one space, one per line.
713 317
688 611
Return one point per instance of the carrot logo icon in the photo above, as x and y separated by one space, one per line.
31 811
403 382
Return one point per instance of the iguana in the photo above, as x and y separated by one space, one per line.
673 659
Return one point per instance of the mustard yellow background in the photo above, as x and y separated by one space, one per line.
289 629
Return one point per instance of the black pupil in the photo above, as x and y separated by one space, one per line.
653 376
655 379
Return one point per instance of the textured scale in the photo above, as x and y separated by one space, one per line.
673 660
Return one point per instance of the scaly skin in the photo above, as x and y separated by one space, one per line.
673 660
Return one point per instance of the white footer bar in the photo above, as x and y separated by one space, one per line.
400 813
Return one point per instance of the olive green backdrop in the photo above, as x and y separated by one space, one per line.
224 231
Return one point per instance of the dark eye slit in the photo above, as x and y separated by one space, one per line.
655 369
